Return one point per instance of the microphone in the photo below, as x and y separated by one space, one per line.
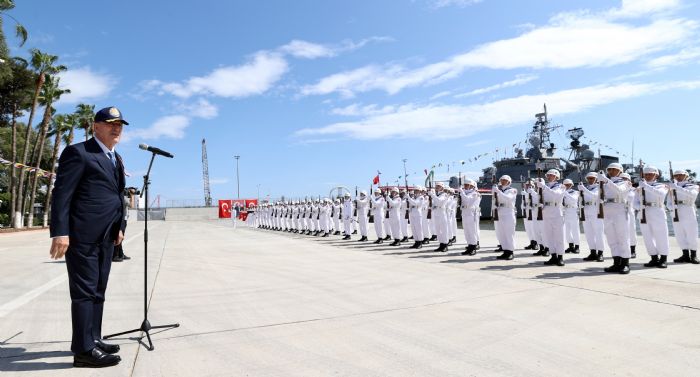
155 150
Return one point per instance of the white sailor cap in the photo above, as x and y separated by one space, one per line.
506 178
470 182
592 175
347 195
615 165
568 182
394 189
651 170
554 172
337 200
377 190
439 184
680 172
363 192
625 176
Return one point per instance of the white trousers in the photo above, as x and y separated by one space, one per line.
655 232
379 224
686 229
470 225
553 234
617 231
505 228
572 229
416 226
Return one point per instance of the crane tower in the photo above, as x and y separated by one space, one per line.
205 173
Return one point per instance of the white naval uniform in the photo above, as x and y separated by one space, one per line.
686 228
394 216
378 204
471 213
347 212
451 216
572 229
593 227
425 221
526 207
362 213
402 218
655 231
505 231
416 216
633 205
616 215
553 217
537 225
439 214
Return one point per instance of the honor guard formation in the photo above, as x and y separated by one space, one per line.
607 204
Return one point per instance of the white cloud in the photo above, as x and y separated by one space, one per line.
519 80
252 78
307 50
359 110
685 56
459 3
171 126
441 94
638 8
452 121
569 40
201 109
85 85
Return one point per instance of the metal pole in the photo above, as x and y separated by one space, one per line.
404 173
238 185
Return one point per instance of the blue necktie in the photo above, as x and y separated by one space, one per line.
111 157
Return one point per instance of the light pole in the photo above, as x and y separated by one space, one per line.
238 185
405 176
258 194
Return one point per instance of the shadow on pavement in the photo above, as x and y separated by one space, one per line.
18 359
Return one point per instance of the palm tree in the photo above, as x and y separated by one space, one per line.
86 115
20 31
43 64
50 93
60 124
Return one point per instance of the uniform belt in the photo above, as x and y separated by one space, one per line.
569 206
684 203
613 201
589 203
504 205
551 204
657 205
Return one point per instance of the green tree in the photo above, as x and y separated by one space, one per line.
50 93
86 115
43 64
62 127
20 31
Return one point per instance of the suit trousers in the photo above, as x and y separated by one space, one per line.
88 271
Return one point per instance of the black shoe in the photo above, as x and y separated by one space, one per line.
405 239
410 238
442 248
552 261
560 261
531 246
617 261
117 259
633 251
347 237
434 237
499 249
684 259
354 232
624 266
419 245
364 238
337 233
387 238
478 245
415 245
507 255
425 241
379 241
546 252
107 348
600 256
570 249
694 257
577 250
397 242
325 235
662 261
654 262
95 358
592 256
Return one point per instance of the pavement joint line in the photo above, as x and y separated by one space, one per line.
642 275
353 315
27 297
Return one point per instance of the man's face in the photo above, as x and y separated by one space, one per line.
591 180
108 133
679 177
551 177
568 186
613 172
504 182
650 176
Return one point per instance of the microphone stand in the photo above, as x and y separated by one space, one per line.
146 326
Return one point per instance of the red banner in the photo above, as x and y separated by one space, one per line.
248 202
225 209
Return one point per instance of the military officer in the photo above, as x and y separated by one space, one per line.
504 198
378 204
685 227
526 205
593 226
616 227
553 216
471 213
654 226
347 213
451 210
415 203
439 215
633 206
362 213
427 216
404 215
572 228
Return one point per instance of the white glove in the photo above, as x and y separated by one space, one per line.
495 188
602 178
540 184
581 187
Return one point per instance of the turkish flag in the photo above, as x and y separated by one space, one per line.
376 180
225 209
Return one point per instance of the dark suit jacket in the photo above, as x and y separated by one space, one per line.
87 197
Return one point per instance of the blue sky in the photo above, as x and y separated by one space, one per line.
316 94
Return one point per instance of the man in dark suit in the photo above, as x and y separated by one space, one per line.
87 220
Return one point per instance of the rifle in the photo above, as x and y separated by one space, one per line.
497 204
643 220
354 213
430 200
582 200
387 205
674 195
529 215
540 192
601 211
458 212
318 214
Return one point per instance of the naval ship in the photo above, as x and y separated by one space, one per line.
541 156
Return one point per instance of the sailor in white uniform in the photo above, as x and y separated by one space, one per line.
685 227
470 206
572 228
504 198
614 198
652 195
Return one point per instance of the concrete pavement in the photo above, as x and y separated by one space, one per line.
262 303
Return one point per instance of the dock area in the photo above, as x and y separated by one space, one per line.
253 302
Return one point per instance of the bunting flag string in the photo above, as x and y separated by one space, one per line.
31 169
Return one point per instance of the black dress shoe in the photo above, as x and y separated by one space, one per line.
117 259
108 348
125 257
95 358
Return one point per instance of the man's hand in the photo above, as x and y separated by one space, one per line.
59 246
119 239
